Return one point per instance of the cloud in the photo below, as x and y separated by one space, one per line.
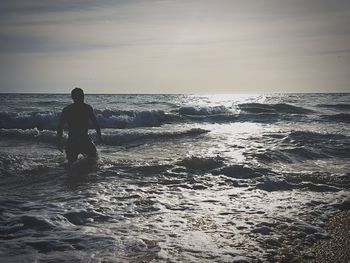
37 6
34 44
182 42
336 52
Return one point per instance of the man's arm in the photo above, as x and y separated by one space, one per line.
95 124
60 130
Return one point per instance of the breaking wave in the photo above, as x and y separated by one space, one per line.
279 108
126 137
123 119
283 185
303 153
309 136
40 120
29 134
192 110
201 163
115 138
341 117
299 146
106 119
131 119
339 106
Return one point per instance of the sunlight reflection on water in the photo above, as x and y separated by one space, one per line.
201 178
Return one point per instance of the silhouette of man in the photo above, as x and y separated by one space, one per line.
77 116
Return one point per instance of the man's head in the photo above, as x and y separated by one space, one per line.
77 95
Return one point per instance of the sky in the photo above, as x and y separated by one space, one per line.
175 46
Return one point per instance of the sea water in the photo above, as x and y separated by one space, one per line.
191 178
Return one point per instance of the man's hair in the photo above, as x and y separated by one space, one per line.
77 95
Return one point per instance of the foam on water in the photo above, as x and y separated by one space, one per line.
190 110
282 108
45 111
110 137
179 179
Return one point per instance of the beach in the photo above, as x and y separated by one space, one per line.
337 248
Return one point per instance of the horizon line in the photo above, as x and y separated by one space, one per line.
219 93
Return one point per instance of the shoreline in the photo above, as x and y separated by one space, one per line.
335 249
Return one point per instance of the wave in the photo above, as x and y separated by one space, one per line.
283 185
116 138
106 119
29 134
241 171
123 119
303 153
221 114
83 216
127 137
50 103
38 222
131 119
310 136
319 177
108 113
40 120
220 118
279 108
216 166
339 106
201 163
14 165
299 146
341 117
194 110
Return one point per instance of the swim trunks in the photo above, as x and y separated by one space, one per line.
77 146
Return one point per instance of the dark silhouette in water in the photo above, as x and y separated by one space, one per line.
77 117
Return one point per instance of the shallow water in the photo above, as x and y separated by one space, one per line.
180 178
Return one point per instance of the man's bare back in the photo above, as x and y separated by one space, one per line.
77 116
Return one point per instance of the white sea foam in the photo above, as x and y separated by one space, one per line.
253 179
109 138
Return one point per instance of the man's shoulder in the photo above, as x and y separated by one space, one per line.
73 107
88 106
68 107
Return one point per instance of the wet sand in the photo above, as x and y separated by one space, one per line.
337 247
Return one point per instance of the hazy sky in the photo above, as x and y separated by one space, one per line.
175 46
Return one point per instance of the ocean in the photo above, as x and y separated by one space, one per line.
180 178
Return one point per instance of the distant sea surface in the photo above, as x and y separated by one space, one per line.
191 178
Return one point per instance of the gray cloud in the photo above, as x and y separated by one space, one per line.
172 41
34 44
337 52
37 6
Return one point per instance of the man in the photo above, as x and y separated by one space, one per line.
77 117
